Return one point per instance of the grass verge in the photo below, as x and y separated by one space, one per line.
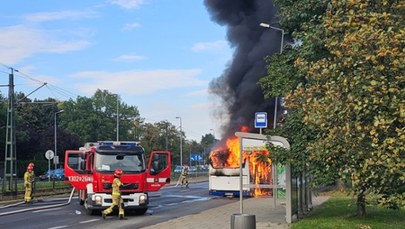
340 212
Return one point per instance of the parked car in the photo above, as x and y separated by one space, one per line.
178 169
57 174
190 169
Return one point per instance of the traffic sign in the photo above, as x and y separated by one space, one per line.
261 120
195 157
56 160
49 154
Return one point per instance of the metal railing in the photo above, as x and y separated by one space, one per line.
40 188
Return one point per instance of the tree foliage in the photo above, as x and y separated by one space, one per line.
85 119
302 22
351 71
95 119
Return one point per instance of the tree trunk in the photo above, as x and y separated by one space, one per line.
361 204
341 185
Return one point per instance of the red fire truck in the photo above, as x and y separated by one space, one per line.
90 170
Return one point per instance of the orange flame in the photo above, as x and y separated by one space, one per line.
259 163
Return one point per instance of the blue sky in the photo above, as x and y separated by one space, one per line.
158 55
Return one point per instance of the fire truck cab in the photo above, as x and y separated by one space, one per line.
90 170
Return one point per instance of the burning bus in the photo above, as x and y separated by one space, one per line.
224 170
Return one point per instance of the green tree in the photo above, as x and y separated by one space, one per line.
302 20
155 136
344 82
34 126
208 141
354 98
95 119
34 121
3 125
191 147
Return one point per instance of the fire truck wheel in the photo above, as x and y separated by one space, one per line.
141 211
89 211
86 208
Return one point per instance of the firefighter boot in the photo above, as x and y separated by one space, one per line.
103 214
122 217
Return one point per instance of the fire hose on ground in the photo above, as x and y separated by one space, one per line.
35 208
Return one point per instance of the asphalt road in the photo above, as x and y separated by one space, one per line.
171 202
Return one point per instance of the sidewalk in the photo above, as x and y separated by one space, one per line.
262 207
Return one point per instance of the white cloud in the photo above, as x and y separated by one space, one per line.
210 46
21 42
131 26
129 58
59 15
18 42
64 46
138 82
127 4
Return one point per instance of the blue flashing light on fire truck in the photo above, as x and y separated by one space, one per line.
90 170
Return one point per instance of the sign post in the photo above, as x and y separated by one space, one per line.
56 161
49 154
261 120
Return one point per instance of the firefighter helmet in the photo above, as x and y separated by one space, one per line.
118 172
30 166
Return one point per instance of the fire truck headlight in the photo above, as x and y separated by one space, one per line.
143 199
98 200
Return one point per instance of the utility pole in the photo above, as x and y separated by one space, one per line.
181 141
10 160
118 119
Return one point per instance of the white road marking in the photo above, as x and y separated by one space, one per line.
58 227
89 221
46 210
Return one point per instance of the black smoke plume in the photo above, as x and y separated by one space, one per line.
238 85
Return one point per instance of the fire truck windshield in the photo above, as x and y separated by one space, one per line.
128 163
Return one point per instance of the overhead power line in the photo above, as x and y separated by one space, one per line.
55 91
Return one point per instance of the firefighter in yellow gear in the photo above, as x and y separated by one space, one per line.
29 178
184 176
116 196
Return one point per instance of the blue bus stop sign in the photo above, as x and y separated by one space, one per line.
261 120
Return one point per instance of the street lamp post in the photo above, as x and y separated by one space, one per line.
181 142
166 137
273 168
56 141
265 25
118 120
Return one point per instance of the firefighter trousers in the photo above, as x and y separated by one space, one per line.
184 180
116 201
28 193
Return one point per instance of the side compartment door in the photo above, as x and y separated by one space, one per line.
75 169
158 172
